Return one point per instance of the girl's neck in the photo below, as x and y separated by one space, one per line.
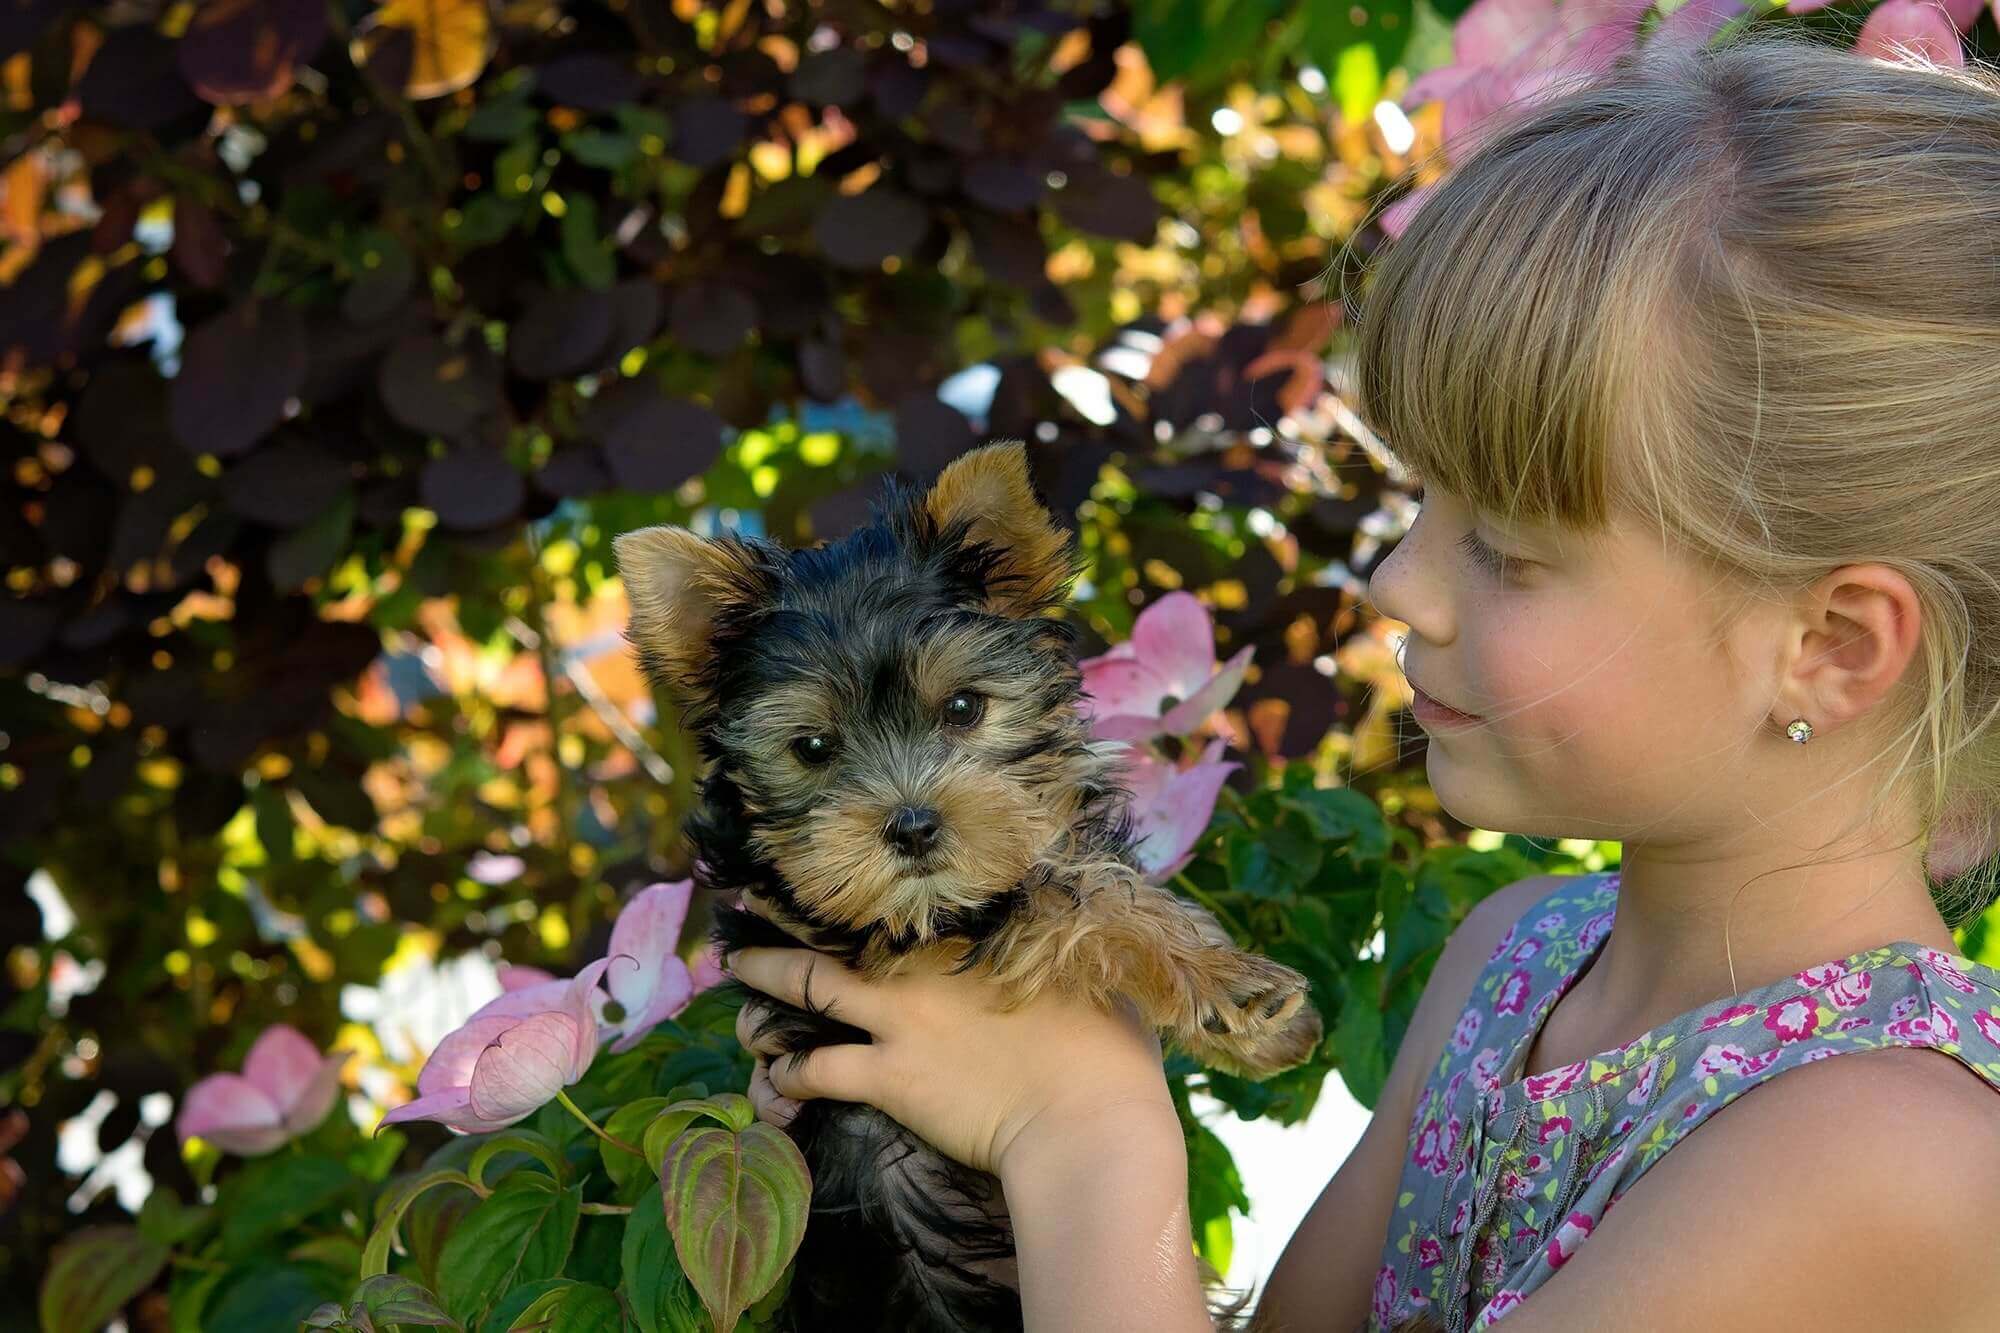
1667 954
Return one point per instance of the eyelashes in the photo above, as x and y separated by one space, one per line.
1482 555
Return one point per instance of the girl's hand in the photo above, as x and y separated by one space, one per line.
974 1082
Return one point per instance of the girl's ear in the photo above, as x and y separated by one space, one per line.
989 491
679 585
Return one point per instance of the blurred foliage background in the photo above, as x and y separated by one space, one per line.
338 339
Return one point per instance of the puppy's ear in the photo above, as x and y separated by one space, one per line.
680 585
989 490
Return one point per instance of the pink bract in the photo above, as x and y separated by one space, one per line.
509 1059
285 1090
1171 655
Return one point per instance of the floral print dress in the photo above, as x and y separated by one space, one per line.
1506 1176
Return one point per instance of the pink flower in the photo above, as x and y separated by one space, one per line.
1170 656
1794 1019
1568 1236
1502 1302
1730 1059
1925 26
1513 995
1549 923
1853 1021
1943 1025
1556 1081
1486 1069
1604 1163
1729 1015
1554 1127
1384 1305
1642 1087
1903 1008
1988 1023
1171 806
1850 991
511 1056
285 1090
1506 943
1592 931
1947 971
647 976
1916 1030
1429 1253
1467 1030
1815 977
1459 1216
707 970
1527 949
1430 1152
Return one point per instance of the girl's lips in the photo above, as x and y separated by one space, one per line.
1430 710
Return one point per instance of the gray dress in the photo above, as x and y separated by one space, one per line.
1505 1176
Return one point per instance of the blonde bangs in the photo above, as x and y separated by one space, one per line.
1510 346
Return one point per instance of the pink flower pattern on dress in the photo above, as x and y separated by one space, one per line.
1548 1154
1794 1019
1850 991
1726 1017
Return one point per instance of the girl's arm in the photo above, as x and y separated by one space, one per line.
1100 1215
1326 1275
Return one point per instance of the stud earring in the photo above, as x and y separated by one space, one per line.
1800 730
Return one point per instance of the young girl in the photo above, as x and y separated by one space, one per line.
1697 365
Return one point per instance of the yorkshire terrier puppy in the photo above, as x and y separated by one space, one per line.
897 765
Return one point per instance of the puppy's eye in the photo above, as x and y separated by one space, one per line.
814 750
963 709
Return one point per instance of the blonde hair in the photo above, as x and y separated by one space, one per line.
1745 292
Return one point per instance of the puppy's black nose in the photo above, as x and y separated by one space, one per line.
913 830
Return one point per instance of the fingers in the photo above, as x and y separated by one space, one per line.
748 1019
772 1109
808 980
845 1073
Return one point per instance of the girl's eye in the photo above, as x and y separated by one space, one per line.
813 750
1482 555
963 709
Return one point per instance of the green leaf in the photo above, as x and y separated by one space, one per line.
389 1210
658 1292
599 148
584 248
736 1205
265 1200
500 121
1343 817
94 1272
537 1146
166 1219
729 1109
1352 44
1214 1188
630 1174
576 1308
1253 869
508 1308
1357 1037
270 1296
391 1299
485 218
521 1233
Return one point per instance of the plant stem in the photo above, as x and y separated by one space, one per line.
1194 891
577 1111
607 1209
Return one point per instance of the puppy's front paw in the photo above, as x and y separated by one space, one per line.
1254 1017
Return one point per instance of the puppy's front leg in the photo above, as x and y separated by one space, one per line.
1232 1010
